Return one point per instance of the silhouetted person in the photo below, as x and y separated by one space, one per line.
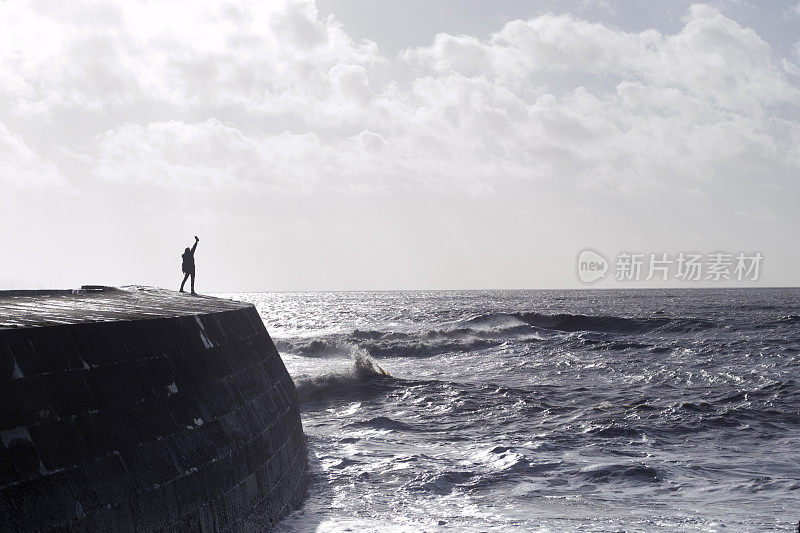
188 264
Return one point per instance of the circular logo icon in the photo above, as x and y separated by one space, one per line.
592 266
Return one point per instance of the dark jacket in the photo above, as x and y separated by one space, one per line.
188 260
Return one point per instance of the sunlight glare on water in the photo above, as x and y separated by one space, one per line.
545 410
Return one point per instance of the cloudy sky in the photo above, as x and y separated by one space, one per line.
382 144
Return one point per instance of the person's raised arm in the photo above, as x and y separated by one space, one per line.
196 240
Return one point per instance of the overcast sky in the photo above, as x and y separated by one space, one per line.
392 145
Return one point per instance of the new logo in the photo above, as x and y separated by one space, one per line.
592 266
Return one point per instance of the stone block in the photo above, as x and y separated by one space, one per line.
15 409
174 422
41 501
7 362
59 444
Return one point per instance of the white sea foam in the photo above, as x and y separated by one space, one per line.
545 410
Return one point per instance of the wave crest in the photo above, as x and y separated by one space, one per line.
613 324
599 332
366 378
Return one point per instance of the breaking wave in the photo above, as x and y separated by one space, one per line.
493 329
382 422
606 404
366 378
388 344
613 324
628 473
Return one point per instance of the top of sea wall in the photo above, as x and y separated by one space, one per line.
143 410
31 308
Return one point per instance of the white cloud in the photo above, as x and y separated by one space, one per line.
208 156
212 156
575 104
614 111
760 215
512 138
21 167
712 57
260 55
600 4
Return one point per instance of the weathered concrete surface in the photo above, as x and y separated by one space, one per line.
141 410
93 303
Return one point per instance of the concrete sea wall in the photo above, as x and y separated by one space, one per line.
179 423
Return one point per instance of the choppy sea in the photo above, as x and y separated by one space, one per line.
591 410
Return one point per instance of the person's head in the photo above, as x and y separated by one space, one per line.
188 250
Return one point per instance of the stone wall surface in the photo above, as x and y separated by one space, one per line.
180 423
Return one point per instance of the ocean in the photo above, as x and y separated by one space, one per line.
589 410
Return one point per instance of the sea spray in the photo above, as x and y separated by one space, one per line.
668 410
364 377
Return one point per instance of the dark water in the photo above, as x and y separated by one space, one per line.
655 410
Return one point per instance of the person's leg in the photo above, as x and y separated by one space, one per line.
193 282
185 277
